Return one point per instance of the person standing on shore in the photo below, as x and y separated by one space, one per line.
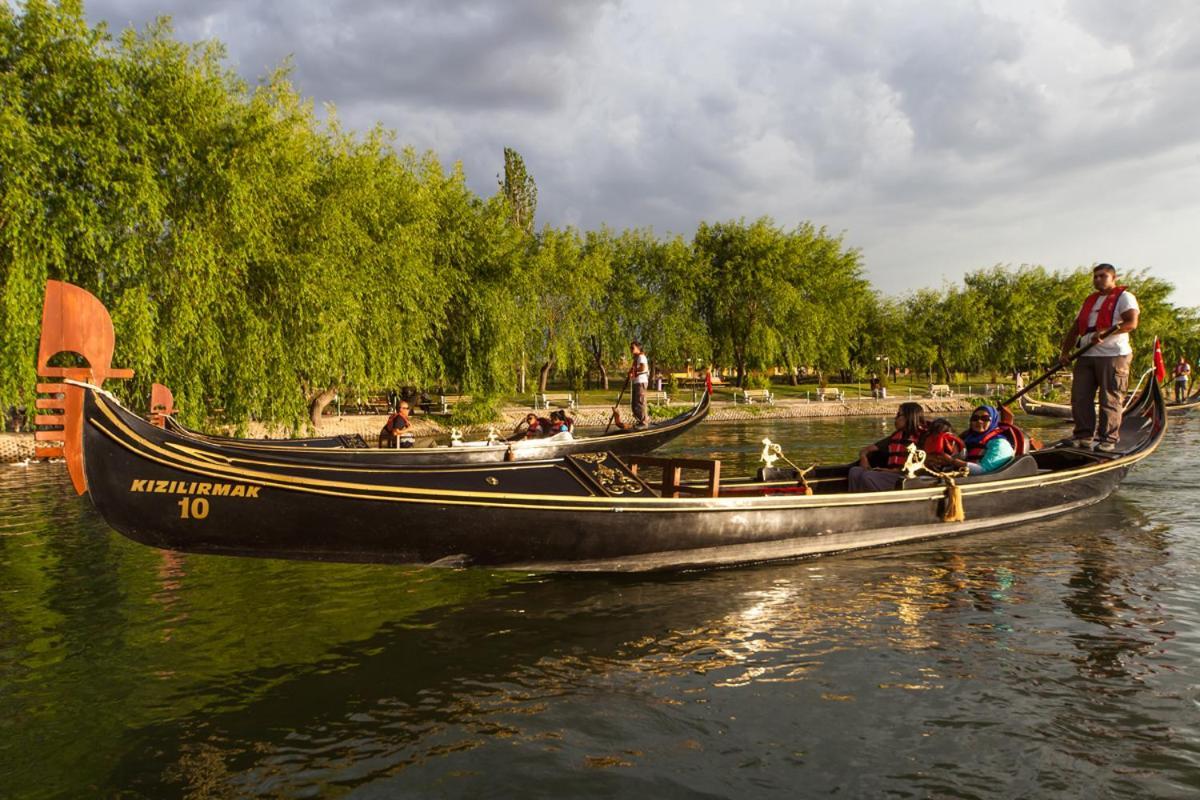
1183 371
1104 369
639 377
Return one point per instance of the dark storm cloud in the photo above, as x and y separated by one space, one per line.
993 130
467 54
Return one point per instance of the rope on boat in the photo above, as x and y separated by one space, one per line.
772 451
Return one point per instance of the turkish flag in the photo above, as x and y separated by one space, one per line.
708 381
1160 367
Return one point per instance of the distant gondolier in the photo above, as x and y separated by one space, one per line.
639 375
1104 369
1183 371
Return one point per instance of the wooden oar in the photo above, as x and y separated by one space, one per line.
1059 366
613 415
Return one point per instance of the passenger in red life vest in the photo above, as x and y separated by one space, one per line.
892 452
942 447
1104 369
989 443
397 431
534 427
560 422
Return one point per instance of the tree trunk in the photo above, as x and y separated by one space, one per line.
317 406
597 349
941 359
544 376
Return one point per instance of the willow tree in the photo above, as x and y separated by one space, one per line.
654 296
564 280
478 257
826 302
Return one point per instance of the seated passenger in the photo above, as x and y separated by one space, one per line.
532 427
942 447
398 430
560 422
910 427
988 448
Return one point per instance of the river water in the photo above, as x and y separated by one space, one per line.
1061 659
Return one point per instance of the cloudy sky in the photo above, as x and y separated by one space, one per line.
939 137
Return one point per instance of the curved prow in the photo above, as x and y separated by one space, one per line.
162 404
73 320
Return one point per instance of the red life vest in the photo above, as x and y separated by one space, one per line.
391 426
975 452
897 449
1104 320
945 443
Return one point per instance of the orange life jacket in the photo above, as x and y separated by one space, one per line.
897 449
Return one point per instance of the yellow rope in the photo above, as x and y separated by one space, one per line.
952 509
802 474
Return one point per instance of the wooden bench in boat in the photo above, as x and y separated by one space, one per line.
672 470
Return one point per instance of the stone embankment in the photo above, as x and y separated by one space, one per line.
18 447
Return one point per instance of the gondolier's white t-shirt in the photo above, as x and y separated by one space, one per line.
1118 344
641 375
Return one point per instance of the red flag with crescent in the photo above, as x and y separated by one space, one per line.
1160 366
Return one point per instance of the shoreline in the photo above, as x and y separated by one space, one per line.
16 448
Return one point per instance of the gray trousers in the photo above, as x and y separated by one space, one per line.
637 403
1109 377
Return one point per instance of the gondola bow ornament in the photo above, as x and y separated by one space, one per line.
73 321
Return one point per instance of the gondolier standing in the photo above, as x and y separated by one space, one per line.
1183 371
1104 369
639 375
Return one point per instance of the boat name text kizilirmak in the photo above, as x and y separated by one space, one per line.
194 487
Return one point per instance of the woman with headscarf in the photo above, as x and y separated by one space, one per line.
988 448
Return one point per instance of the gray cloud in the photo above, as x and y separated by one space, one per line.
972 133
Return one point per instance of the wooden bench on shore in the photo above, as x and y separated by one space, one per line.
752 396
830 393
660 398
940 390
374 404
547 399
446 402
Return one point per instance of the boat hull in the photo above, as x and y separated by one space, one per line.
583 513
619 442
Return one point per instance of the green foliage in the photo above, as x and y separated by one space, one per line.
519 191
255 259
477 411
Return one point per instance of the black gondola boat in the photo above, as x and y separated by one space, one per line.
587 512
623 442
1039 408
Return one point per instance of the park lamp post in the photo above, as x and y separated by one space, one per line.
886 363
